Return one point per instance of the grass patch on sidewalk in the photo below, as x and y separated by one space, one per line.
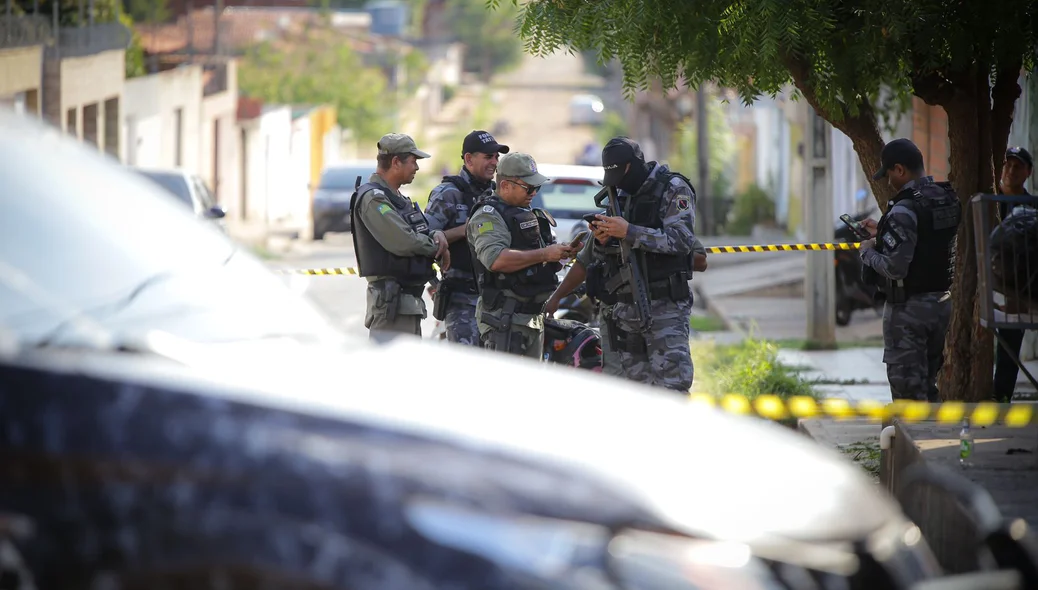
706 323
750 368
802 344
865 454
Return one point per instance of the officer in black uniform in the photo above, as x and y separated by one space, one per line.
909 260
394 246
515 258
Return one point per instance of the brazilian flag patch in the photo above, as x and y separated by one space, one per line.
485 227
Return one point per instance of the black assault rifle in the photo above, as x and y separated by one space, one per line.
631 271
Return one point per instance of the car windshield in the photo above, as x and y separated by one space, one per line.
345 177
100 247
174 183
575 197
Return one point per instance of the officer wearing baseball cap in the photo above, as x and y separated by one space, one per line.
448 208
395 246
1016 170
515 259
658 222
909 260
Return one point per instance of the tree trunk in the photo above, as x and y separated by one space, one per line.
968 356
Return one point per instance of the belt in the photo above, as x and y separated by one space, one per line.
527 307
413 290
657 290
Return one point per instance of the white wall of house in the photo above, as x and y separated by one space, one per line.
220 144
295 208
267 146
162 117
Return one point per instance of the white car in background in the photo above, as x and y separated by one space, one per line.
586 109
189 189
568 195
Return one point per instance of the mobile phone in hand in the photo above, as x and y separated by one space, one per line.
590 217
580 238
857 229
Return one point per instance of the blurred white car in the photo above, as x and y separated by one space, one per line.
586 109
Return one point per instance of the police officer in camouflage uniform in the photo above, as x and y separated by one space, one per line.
395 247
909 259
448 210
658 207
577 275
515 259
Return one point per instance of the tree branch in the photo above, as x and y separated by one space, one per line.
862 128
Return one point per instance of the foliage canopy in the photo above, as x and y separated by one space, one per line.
319 69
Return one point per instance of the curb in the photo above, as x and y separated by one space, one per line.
712 308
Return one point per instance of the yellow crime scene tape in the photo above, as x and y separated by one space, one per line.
1016 415
819 247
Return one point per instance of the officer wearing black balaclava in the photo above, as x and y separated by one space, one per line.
657 218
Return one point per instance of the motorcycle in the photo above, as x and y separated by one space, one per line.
851 293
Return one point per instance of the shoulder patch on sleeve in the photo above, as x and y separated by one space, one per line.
683 203
378 191
484 227
384 208
488 208
890 240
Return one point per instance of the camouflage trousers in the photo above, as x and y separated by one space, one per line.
667 361
461 319
913 345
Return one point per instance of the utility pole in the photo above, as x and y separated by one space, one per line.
819 284
703 149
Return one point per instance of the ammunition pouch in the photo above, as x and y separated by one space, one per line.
675 288
622 340
894 292
496 299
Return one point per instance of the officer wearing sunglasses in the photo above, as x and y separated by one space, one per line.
515 259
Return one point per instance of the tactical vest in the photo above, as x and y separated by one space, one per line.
461 258
666 275
375 261
531 230
938 213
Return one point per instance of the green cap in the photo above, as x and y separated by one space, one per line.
522 166
398 143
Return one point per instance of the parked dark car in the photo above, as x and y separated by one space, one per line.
172 415
332 195
191 190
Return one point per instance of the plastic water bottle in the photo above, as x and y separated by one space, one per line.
965 445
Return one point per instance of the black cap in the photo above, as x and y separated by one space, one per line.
616 155
481 142
899 151
1020 154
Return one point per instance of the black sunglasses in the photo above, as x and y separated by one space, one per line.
529 188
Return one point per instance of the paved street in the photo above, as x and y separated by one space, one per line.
535 102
